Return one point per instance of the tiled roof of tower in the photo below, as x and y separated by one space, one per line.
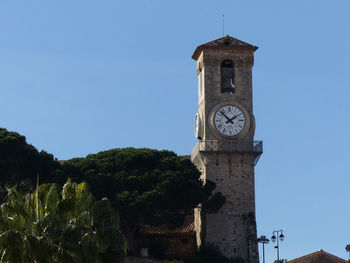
318 256
226 42
164 229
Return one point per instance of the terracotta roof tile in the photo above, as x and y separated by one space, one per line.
318 256
164 229
224 42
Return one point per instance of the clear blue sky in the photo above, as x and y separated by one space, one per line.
78 77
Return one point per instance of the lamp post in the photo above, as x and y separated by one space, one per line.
279 236
263 240
347 248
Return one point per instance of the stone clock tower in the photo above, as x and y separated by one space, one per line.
226 152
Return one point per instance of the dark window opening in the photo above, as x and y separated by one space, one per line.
227 77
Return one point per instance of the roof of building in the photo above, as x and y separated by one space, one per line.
319 257
187 227
226 42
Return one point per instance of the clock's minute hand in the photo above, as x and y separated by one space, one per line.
228 119
231 119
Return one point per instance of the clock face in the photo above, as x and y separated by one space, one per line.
197 127
229 120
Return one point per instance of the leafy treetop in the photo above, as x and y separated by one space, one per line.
141 181
20 161
56 224
144 185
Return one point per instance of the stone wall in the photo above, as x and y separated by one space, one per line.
233 228
208 65
171 246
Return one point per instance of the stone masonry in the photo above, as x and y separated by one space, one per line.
227 161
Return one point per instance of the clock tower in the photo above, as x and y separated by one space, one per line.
226 151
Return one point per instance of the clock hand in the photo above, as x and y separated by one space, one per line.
228 119
231 119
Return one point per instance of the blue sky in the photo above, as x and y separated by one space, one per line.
78 77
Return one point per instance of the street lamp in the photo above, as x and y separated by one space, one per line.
347 248
264 241
280 236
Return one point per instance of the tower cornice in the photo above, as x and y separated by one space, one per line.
224 43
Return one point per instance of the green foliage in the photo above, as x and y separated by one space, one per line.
144 185
210 254
21 162
52 226
140 181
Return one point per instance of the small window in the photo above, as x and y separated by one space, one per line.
227 77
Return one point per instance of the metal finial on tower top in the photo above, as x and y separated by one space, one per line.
223 25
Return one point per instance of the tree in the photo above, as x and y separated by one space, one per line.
21 162
144 185
49 226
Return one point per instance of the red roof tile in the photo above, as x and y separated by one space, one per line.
164 229
226 42
319 257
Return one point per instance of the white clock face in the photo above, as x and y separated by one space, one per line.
196 125
229 120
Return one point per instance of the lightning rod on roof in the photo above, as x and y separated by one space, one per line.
223 25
